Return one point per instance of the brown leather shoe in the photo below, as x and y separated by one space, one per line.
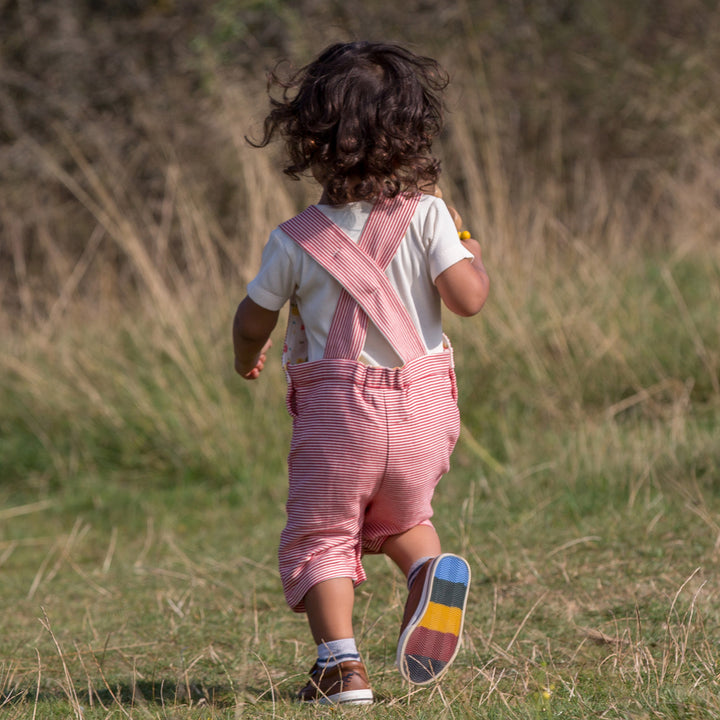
344 683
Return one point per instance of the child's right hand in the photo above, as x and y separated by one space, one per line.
464 286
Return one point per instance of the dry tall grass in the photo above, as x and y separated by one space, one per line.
584 284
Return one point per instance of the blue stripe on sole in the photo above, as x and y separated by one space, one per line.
453 568
421 669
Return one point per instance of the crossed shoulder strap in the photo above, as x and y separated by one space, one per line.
359 268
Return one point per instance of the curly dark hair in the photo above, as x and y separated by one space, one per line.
361 118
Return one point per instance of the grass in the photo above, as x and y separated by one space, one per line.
596 593
143 483
144 491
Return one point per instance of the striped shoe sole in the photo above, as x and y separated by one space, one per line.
431 639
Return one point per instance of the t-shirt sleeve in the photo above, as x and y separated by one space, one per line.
444 246
274 283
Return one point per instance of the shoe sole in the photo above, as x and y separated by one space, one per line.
431 640
349 697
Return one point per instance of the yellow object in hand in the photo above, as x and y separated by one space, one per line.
464 235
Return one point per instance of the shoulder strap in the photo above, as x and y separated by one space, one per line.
358 272
381 236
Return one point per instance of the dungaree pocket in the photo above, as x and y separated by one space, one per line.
290 401
453 383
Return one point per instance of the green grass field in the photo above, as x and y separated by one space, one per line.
142 484
143 490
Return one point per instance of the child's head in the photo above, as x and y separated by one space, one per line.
361 118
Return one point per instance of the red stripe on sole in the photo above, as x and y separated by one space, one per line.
431 644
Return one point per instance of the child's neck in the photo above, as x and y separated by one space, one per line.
324 200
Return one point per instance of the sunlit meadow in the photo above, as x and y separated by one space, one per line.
143 483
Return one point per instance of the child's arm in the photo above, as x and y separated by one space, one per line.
464 286
251 337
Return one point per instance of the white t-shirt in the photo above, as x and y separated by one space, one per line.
430 246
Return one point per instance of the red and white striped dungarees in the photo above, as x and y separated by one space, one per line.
369 443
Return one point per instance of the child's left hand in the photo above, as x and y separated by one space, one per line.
254 374
251 330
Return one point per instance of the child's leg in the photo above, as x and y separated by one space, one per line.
406 548
434 611
431 629
329 607
338 675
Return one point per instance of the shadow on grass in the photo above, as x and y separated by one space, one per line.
164 693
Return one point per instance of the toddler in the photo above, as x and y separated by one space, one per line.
371 385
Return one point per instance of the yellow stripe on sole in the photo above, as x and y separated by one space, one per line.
442 618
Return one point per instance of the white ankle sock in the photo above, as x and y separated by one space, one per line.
414 568
337 651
